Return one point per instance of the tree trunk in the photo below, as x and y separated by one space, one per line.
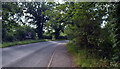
39 30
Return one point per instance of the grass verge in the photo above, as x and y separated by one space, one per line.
9 44
81 57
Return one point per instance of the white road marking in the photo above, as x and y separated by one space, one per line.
51 58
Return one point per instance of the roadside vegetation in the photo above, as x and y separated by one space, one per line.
9 44
20 28
92 28
79 57
94 31
83 58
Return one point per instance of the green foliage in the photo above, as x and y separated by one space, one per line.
36 11
24 34
11 13
71 48
18 34
9 44
81 22
84 28
55 24
12 29
105 44
116 30
80 59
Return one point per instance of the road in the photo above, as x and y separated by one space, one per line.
42 54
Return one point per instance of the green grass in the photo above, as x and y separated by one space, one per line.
9 44
80 59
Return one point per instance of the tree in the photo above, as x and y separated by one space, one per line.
55 24
36 10
11 13
116 29
26 33
83 26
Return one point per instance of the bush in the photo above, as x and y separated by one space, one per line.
18 34
47 37
10 37
62 37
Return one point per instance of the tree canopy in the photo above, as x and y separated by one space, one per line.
94 26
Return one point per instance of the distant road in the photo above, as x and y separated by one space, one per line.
42 54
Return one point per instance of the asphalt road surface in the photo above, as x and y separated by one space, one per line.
42 54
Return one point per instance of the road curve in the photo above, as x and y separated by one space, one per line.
42 54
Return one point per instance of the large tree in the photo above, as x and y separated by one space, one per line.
83 26
11 17
36 11
56 24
